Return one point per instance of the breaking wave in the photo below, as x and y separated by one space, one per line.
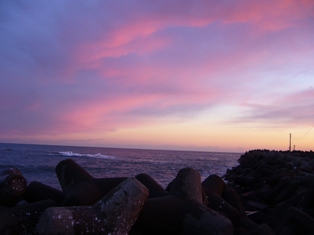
97 155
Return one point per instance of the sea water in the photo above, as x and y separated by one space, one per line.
38 162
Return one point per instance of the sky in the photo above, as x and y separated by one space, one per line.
215 75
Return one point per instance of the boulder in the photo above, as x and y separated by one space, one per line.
22 219
115 213
12 186
37 191
79 187
70 173
155 189
300 221
187 185
214 184
171 215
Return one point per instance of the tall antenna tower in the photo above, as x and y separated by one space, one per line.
290 143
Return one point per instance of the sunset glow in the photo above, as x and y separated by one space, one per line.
190 75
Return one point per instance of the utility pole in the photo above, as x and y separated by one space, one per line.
290 143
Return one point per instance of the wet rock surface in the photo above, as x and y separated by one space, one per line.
269 192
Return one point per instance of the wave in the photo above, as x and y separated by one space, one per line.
97 155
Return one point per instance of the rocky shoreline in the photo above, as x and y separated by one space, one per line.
269 192
276 188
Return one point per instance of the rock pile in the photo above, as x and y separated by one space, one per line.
276 188
269 192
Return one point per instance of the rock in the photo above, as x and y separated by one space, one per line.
82 194
214 184
311 163
303 223
246 223
198 220
105 185
218 204
306 167
274 192
115 213
231 196
88 192
12 186
155 189
259 217
262 229
278 187
171 215
239 231
251 205
22 219
37 191
70 173
245 180
286 193
307 199
79 187
187 185
280 209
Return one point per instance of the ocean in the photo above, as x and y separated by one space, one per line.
38 162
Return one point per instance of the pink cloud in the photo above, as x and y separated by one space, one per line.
293 110
137 34
113 65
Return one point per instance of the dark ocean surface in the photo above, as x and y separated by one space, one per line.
38 162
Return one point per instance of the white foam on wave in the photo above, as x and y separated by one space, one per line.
97 155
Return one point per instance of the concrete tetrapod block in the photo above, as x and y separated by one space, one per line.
83 193
155 189
70 173
87 192
218 204
37 191
23 219
261 229
79 187
171 215
12 186
105 185
205 221
280 210
231 196
214 184
307 199
114 214
187 185
303 222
